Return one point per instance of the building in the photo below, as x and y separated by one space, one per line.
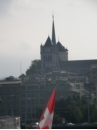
51 53
54 57
63 89
36 93
80 87
33 94
21 98
92 74
70 76
81 67
10 95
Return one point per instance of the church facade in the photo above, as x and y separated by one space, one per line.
51 53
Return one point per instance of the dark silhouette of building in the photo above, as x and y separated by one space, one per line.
52 53
54 57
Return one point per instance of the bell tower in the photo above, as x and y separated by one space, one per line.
49 54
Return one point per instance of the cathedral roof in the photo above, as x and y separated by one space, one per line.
76 63
60 47
48 42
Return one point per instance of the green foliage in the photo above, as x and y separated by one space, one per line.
22 76
69 99
33 69
78 113
57 119
75 110
93 112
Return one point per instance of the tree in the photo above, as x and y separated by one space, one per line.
75 110
57 119
78 113
34 68
22 76
93 113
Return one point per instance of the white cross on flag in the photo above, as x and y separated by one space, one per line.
46 118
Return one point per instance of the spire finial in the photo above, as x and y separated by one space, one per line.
58 38
53 16
53 32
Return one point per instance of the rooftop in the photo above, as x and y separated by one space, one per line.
77 63
48 42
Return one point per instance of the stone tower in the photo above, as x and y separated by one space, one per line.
52 53
49 54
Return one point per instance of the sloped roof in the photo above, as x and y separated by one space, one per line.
77 63
60 47
48 42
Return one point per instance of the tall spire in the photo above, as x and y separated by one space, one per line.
53 32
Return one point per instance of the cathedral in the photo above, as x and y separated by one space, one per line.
52 53
54 57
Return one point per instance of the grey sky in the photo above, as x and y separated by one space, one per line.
25 24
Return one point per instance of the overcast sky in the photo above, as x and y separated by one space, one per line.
26 24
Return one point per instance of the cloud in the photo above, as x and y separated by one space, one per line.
92 3
25 46
5 6
25 24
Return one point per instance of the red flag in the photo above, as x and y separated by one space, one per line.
46 118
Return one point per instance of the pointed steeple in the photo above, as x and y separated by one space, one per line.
53 33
